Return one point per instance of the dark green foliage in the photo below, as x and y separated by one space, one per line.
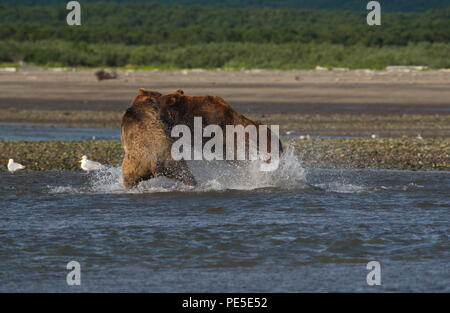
152 34
227 55
387 5
153 23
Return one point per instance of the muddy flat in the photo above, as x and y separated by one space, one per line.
321 102
256 91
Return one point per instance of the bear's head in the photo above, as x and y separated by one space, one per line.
145 96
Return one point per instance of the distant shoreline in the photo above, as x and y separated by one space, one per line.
401 90
13 67
339 102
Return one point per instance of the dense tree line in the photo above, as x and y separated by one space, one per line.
342 34
359 5
156 35
225 55
153 23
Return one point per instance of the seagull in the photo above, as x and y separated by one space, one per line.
374 136
88 165
307 137
12 166
419 136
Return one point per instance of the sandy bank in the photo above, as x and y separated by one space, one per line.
255 91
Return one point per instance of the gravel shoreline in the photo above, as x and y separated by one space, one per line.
387 153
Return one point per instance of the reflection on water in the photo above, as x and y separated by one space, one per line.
238 231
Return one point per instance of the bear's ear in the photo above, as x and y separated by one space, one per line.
180 91
143 92
148 93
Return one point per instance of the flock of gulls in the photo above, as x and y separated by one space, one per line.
86 165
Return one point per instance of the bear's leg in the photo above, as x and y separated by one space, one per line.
135 171
177 170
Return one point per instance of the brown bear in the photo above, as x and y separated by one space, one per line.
147 125
147 145
179 109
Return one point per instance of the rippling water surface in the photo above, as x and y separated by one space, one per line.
36 131
51 132
240 230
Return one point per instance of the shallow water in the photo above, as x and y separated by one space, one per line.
294 230
39 131
48 131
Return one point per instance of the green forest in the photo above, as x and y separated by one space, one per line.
153 35
358 5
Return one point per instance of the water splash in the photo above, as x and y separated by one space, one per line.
222 176
211 176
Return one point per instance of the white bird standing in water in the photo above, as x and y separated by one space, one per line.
374 136
88 165
12 166
419 136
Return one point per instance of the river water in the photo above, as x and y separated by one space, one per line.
240 230
42 131
52 132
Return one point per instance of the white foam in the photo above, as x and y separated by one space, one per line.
340 187
410 186
211 176
63 189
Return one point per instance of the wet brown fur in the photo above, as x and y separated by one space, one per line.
147 146
146 127
177 108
